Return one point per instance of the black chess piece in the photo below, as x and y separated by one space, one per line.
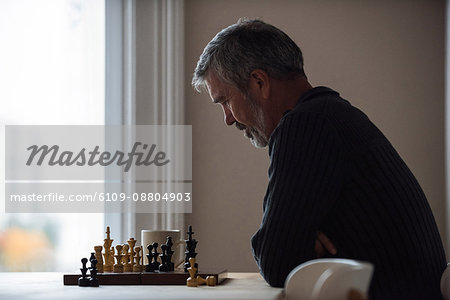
150 267
93 281
190 250
155 256
83 280
170 252
92 257
164 267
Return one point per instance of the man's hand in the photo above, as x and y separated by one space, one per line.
323 245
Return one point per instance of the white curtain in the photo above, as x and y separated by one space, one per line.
145 85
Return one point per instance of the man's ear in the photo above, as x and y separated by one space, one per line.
259 83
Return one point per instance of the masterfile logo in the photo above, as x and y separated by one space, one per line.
150 152
91 158
83 168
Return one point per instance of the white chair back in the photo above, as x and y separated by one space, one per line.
322 279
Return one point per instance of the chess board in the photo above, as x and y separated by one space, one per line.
177 277
130 257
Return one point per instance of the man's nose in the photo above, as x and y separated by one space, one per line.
228 116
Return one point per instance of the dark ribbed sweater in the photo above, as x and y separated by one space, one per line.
332 170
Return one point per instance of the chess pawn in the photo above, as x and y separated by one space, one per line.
127 267
99 258
192 280
118 267
164 267
151 265
124 252
155 253
112 254
137 267
170 252
200 280
83 280
93 281
131 243
211 280
92 256
142 259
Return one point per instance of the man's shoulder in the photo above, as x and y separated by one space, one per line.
321 107
315 106
321 100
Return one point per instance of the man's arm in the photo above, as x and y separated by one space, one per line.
307 169
323 245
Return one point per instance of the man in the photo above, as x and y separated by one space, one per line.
333 176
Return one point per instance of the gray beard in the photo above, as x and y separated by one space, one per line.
257 133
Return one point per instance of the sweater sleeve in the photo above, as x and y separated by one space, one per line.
307 168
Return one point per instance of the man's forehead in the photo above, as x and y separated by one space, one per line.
217 88
212 80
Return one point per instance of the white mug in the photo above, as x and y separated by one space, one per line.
160 236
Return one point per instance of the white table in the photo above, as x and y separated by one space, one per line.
49 286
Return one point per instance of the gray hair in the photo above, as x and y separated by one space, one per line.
246 46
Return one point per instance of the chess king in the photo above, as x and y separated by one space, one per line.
191 244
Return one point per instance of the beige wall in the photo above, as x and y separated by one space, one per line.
386 58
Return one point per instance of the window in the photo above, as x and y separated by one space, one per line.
52 72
